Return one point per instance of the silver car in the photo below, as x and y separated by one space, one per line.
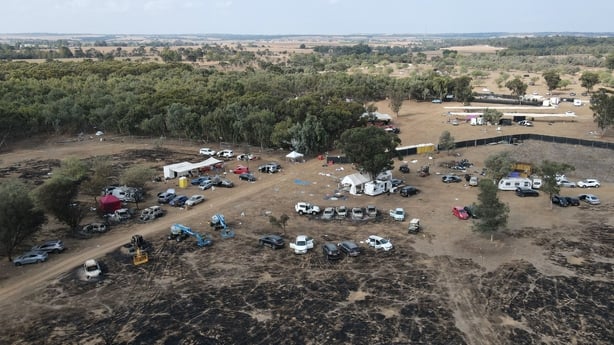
31 258
54 246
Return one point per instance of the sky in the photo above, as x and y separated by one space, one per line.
303 17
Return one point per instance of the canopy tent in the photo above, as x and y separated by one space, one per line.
294 156
354 183
185 168
109 203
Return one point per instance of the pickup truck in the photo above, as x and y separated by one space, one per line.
306 208
302 244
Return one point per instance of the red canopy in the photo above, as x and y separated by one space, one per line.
109 203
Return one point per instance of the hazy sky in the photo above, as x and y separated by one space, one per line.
303 16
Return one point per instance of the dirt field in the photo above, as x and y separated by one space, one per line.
546 279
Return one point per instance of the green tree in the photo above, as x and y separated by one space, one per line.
102 172
446 141
137 176
492 115
396 97
588 80
280 222
499 165
602 106
549 170
74 169
57 196
370 148
19 217
517 87
491 212
552 78
310 136
609 61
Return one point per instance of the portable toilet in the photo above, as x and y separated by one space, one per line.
183 182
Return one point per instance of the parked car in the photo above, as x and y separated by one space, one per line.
588 183
95 228
404 168
225 183
151 213
460 212
566 183
270 168
30 258
378 242
590 198
525 123
92 269
206 185
451 179
474 181
166 197
407 191
328 213
240 169
342 211
246 157
572 201
396 182
199 180
247 177
225 154
436 101
331 252
357 213
206 151
52 246
195 200
559 200
471 211
522 192
302 244
350 248
272 241
178 201
371 211
397 214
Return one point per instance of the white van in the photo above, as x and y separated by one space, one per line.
511 183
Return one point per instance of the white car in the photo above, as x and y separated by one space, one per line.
378 242
329 213
590 198
92 269
207 151
525 123
195 200
398 214
226 154
306 208
589 182
566 183
302 244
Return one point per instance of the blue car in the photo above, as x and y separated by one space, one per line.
199 180
178 201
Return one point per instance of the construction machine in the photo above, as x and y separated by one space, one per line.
180 232
140 255
218 222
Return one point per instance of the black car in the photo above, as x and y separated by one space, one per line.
247 177
470 211
350 248
396 182
331 252
572 201
404 168
559 200
273 241
408 190
522 192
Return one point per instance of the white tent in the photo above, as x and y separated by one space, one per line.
354 183
294 156
184 168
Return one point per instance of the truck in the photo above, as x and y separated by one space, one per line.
306 208
377 187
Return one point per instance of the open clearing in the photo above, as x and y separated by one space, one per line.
547 279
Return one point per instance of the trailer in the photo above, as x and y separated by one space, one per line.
511 183
377 187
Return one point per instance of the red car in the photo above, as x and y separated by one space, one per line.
460 212
240 169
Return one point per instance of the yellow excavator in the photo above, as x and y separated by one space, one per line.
140 256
